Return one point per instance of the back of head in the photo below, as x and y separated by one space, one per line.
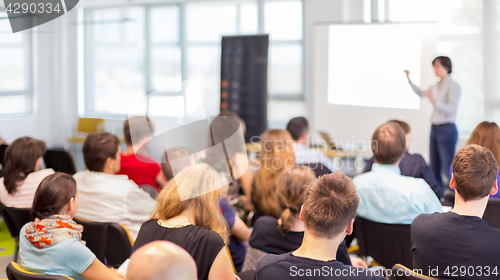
161 260
404 125
297 126
97 148
20 160
53 193
330 204
290 192
196 187
134 129
276 155
475 170
388 143
487 134
182 157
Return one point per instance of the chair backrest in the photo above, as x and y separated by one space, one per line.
107 240
3 147
400 272
16 272
89 125
60 160
318 168
15 218
492 213
252 257
388 244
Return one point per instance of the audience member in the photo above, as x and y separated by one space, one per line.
183 158
299 130
52 244
21 172
196 224
276 155
412 165
105 196
144 170
161 260
328 214
443 244
283 235
385 195
486 134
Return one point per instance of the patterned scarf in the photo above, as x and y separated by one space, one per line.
52 230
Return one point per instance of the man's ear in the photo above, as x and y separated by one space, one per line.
301 215
108 162
350 228
71 204
494 190
452 183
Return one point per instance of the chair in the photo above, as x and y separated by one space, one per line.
251 258
388 244
86 126
16 272
3 147
60 160
400 272
246 275
15 218
108 241
318 168
491 214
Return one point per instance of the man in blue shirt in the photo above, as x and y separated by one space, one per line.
385 195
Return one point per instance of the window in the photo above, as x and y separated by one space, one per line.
16 90
166 49
461 27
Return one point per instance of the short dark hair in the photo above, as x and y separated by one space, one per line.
475 170
445 61
330 204
140 131
97 148
176 153
53 193
404 125
388 143
297 126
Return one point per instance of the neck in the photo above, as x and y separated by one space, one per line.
297 226
470 208
319 248
108 171
184 218
444 77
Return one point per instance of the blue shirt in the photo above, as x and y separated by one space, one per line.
304 155
237 249
385 196
67 258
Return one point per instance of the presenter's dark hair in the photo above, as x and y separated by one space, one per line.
445 61
20 161
388 143
53 193
297 126
97 148
475 171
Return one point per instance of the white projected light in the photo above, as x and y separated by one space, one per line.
366 64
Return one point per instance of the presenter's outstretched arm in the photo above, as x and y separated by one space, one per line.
415 88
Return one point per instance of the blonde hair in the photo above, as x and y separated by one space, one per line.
276 146
290 192
202 184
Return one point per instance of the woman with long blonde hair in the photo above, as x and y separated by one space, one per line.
188 214
276 155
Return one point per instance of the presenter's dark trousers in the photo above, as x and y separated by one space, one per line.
444 139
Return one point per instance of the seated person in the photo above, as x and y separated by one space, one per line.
161 260
105 196
299 130
21 172
195 223
412 165
328 213
144 170
486 134
276 155
385 195
460 238
52 244
182 157
283 235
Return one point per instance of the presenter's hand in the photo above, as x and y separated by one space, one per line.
429 95
407 74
